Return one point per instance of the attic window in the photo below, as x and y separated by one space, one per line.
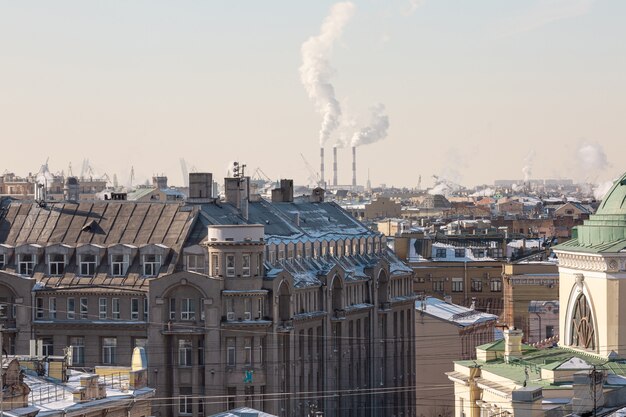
92 226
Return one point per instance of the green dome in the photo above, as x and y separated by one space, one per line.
604 231
614 202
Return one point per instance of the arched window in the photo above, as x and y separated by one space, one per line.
583 332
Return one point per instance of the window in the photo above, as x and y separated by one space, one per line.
258 264
195 263
71 309
260 308
457 284
496 285
549 331
231 393
188 309
109 347
102 308
52 308
247 309
215 264
459 252
87 265
185 349
230 309
151 265
245 265
119 265
201 351
134 308
56 264
231 358
145 309
440 253
39 308
438 286
78 350
247 351
230 265
262 351
185 404
477 285
26 264
47 346
84 310
115 308
3 260
172 308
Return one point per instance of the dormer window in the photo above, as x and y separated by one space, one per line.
26 263
56 264
87 264
151 265
119 265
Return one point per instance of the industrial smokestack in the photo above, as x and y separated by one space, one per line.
335 166
354 167
322 166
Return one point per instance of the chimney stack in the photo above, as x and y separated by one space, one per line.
512 344
354 167
322 167
71 190
335 166
200 185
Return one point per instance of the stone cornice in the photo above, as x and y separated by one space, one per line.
592 262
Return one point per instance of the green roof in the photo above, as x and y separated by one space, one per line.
605 231
498 346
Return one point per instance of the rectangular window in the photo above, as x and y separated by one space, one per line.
71 308
440 253
201 351
496 285
477 285
195 263
262 351
109 347
230 309
259 264
3 260
39 308
230 265
115 308
185 404
119 265
185 349
247 351
247 309
151 265
245 265
259 308
188 309
26 264
172 309
459 253
102 308
549 331
145 309
87 265
457 284
52 308
134 308
438 286
231 357
84 310
56 264
47 346
215 264
77 344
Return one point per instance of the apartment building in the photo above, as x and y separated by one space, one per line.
284 306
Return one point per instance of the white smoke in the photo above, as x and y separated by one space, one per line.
528 165
591 157
316 70
600 190
440 189
485 192
377 129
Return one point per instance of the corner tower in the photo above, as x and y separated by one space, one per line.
592 269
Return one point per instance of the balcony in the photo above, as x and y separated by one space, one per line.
385 306
182 328
339 314
285 326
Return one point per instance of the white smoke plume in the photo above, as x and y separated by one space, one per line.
528 165
591 157
600 190
316 71
377 129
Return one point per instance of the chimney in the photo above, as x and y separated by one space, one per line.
159 182
354 167
322 166
200 185
284 194
512 344
447 299
317 196
335 166
236 193
71 189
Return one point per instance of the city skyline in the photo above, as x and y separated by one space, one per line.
148 83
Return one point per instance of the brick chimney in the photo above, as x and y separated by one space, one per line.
512 344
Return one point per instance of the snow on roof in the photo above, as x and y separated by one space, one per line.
462 316
452 251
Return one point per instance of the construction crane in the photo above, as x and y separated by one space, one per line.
314 177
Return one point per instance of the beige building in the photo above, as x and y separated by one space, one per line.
241 302
585 374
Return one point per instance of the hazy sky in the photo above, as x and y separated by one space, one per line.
474 90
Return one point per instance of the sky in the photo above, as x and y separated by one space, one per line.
473 91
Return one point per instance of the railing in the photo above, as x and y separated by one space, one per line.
48 394
119 380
